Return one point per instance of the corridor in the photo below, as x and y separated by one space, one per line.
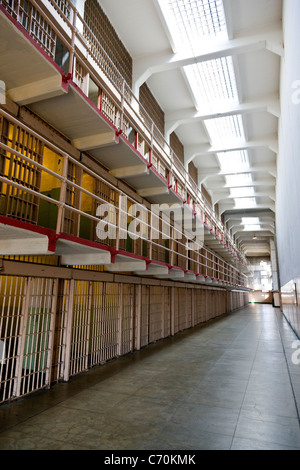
227 385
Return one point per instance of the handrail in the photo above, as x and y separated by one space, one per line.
208 262
127 97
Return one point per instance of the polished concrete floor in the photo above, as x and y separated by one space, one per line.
229 385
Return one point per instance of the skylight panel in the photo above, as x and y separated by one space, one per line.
190 21
213 82
245 203
252 228
241 192
244 179
227 130
250 221
234 161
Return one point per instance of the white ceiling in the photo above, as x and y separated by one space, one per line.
255 33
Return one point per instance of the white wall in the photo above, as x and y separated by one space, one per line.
288 182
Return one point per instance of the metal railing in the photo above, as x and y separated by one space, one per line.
89 61
78 199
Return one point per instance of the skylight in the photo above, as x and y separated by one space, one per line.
236 161
252 228
195 27
193 24
227 130
190 21
250 221
213 83
245 203
237 181
242 192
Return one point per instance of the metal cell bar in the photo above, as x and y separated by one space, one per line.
11 296
68 330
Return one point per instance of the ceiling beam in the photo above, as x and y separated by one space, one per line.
271 168
224 206
263 228
174 119
268 39
222 195
192 151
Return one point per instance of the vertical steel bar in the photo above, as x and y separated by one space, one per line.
68 337
172 311
72 51
22 337
88 323
62 196
120 319
51 331
138 315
